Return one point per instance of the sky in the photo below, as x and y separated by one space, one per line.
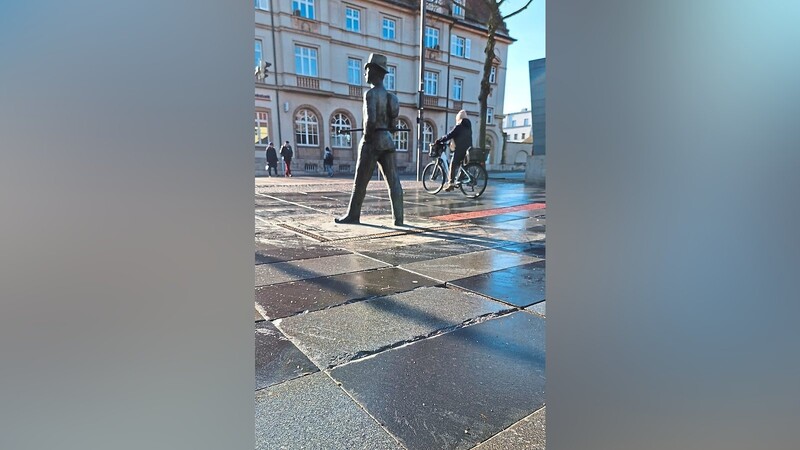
528 28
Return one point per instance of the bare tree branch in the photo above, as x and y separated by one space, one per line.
517 11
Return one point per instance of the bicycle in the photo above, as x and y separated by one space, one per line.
472 177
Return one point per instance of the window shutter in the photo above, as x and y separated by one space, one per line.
453 41
466 48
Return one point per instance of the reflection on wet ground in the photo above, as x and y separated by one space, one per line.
428 336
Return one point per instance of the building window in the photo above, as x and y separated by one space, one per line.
493 75
262 4
389 80
427 135
515 137
352 19
523 136
401 137
431 37
458 8
526 122
262 128
303 8
305 61
458 87
354 71
340 122
389 26
460 46
513 123
306 128
431 83
258 53
489 116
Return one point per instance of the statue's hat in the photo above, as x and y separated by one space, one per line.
377 60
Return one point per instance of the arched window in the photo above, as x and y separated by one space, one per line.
427 135
401 137
340 122
306 128
489 147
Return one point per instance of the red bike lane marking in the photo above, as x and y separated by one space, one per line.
490 212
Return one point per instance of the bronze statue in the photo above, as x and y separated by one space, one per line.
381 109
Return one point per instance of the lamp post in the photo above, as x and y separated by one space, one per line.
421 93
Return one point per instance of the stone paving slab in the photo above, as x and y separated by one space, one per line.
291 298
277 359
499 218
381 323
282 272
471 264
422 252
533 248
455 390
313 413
266 253
259 317
519 224
325 228
394 241
529 434
538 308
519 285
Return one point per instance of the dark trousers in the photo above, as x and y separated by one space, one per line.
458 158
272 166
287 167
365 166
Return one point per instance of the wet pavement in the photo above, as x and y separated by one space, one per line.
425 336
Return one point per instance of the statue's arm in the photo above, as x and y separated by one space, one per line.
371 112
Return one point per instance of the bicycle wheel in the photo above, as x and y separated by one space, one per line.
478 178
433 177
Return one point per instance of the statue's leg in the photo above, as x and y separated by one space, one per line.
365 165
389 170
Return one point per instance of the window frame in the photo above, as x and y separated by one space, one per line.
458 9
265 121
348 19
489 115
493 75
354 72
431 37
337 124
307 8
258 52
390 75
393 21
262 5
397 136
310 128
314 60
458 82
432 80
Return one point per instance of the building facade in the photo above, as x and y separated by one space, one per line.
316 51
517 125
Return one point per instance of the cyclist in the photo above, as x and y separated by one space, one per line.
461 142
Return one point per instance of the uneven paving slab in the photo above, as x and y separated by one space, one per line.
277 359
383 322
471 264
267 253
538 308
313 413
324 228
533 248
458 389
529 434
520 285
296 297
281 272
422 252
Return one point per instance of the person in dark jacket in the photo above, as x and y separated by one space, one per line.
287 154
272 160
461 136
327 161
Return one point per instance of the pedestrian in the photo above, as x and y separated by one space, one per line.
272 160
381 109
287 154
461 136
327 161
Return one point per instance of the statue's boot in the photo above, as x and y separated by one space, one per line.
347 219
